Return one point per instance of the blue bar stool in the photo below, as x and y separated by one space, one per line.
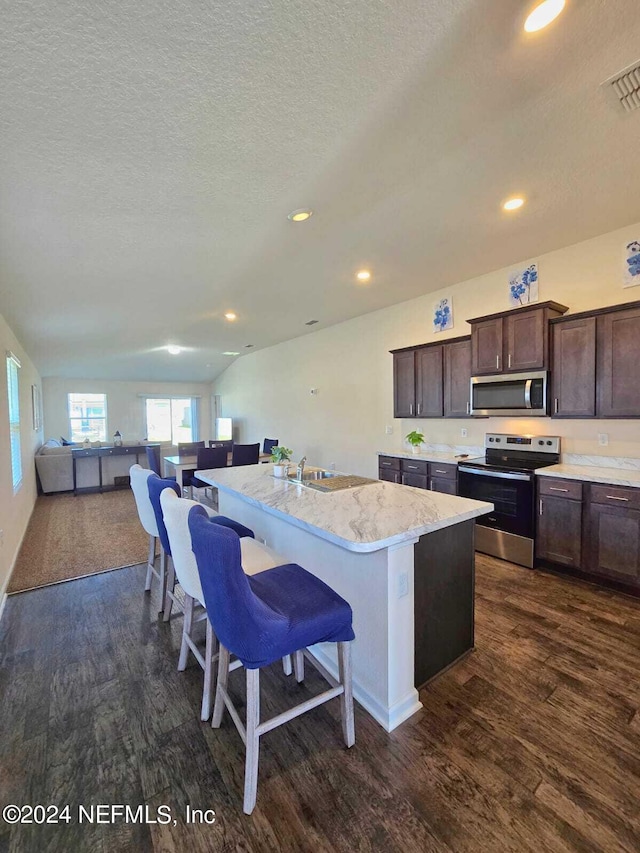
260 619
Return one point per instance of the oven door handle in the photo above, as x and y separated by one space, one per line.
527 393
498 475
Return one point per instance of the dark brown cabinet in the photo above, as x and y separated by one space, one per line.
457 379
573 378
613 533
435 476
513 341
618 383
432 380
559 528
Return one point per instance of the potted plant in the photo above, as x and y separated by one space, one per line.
280 457
415 439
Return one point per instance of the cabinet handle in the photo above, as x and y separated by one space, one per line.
616 498
439 471
412 467
410 408
468 407
497 362
555 406
419 407
540 506
556 489
431 486
509 359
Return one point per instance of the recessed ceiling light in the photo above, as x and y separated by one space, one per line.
230 315
173 349
513 204
300 215
363 275
230 353
543 14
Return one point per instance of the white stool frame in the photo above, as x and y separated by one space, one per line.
254 729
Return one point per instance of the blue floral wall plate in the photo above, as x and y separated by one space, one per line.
523 286
632 264
443 315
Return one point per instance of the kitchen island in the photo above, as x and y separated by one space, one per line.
402 557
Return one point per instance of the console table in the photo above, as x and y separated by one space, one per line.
100 452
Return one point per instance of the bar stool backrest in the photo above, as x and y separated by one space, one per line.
155 485
147 516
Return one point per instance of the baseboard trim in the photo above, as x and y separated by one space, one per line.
3 592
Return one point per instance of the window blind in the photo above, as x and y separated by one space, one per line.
13 366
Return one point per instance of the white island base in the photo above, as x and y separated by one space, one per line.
344 538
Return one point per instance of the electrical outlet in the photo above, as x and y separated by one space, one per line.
464 432
403 584
332 467
388 430
603 439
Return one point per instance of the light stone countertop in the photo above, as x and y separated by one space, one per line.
365 518
432 455
593 474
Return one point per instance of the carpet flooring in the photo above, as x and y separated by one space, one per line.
72 536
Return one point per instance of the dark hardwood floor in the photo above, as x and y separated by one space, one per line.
532 743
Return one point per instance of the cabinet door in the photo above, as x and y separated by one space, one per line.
559 535
618 379
525 336
457 379
486 346
614 542
439 484
388 475
404 384
418 481
573 369
429 382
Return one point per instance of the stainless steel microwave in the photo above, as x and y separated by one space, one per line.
510 394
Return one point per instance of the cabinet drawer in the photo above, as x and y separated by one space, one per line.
418 466
443 470
390 462
418 481
615 496
558 488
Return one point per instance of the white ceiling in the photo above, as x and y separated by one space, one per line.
150 153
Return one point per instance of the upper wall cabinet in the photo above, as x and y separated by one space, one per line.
596 358
432 381
513 341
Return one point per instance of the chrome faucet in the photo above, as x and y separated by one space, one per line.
300 468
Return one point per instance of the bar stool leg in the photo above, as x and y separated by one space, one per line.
163 576
186 632
150 561
223 677
346 698
169 587
253 740
298 665
209 656
286 665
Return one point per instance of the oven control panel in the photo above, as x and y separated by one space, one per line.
531 443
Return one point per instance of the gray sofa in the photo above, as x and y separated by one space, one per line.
54 466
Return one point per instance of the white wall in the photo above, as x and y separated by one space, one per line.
125 408
15 509
267 392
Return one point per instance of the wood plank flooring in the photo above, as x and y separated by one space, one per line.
532 743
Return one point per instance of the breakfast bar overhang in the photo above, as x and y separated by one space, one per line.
402 557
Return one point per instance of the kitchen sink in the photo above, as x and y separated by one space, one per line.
307 476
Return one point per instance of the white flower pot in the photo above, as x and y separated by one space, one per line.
415 448
281 470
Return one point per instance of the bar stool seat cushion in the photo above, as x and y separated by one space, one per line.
265 617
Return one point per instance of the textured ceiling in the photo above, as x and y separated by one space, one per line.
150 153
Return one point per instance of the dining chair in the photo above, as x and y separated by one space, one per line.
259 619
255 557
245 454
154 459
139 477
208 457
269 444
189 448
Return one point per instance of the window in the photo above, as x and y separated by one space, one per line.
88 417
13 365
172 419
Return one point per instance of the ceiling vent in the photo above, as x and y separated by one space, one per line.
624 88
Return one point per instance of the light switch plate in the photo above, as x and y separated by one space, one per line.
603 439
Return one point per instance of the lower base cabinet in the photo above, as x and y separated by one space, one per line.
434 476
591 528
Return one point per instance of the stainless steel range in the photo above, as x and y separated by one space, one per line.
505 477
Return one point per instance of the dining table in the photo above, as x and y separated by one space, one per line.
179 464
